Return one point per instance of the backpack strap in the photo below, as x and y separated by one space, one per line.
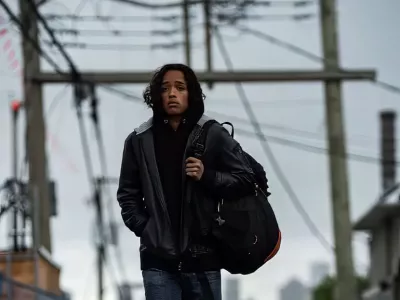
198 145
199 141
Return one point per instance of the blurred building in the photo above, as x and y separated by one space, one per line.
319 271
294 290
11 288
29 273
382 221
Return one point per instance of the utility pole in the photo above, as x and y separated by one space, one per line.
15 108
186 28
101 241
35 125
207 37
346 281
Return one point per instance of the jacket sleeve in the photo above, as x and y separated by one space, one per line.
232 177
129 194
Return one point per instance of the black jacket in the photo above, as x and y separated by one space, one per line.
140 193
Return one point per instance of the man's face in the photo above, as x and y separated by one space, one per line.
174 93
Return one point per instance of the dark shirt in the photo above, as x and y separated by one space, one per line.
169 148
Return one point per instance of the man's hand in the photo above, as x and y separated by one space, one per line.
194 168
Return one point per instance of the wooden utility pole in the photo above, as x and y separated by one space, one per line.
207 37
101 237
35 126
346 281
207 34
186 28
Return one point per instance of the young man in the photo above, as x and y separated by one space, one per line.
167 196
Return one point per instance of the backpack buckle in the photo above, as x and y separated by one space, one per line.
220 221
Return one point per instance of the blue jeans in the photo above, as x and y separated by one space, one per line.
161 285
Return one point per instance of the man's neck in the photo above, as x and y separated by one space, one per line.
175 121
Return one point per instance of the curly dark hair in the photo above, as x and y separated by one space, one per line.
152 93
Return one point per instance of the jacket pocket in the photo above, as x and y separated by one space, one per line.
147 237
145 229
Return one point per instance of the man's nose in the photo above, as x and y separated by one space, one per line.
172 92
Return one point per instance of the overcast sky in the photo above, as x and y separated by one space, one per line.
369 38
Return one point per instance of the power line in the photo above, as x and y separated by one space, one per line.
80 6
289 130
285 3
116 32
56 100
274 139
53 38
119 47
309 148
104 169
258 17
172 18
305 53
84 139
269 153
175 18
27 37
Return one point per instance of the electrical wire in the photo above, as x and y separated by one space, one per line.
104 171
273 139
107 18
175 18
80 7
56 100
116 32
291 130
53 38
269 153
285 3
74 70
122 47
305 53
26 35
257 17
309 148
89 167
85 143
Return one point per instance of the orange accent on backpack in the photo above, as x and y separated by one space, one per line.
276 249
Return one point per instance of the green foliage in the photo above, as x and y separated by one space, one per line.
325 290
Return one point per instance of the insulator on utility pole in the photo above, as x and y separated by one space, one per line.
53 198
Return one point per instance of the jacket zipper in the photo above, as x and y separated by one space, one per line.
160 194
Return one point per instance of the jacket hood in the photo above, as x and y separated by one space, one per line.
191 116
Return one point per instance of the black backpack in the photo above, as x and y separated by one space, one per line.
246 229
